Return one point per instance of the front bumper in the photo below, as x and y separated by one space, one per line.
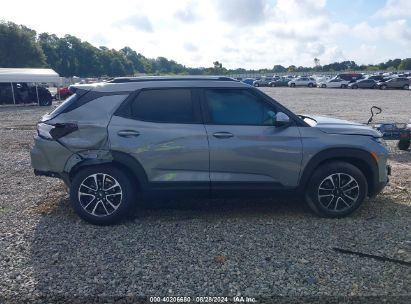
381 185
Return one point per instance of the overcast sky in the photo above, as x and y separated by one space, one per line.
238 33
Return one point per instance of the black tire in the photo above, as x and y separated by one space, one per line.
109 215
383 87
45 102
310 85
404 144
354 87
292 85
272 85
318 198
324 86
406 87
256 85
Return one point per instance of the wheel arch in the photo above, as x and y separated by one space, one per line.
359 158
122 160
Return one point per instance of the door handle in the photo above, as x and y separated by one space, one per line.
128 133
223 135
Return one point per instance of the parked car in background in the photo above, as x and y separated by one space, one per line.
302 81
333 83
378 78
319 79
63 93
351 77
24 93
363 84
263 82
281 82
248 81
395 83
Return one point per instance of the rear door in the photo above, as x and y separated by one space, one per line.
162 129
246 149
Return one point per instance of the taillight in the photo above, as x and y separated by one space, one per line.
55 131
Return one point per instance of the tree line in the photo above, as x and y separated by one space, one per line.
21 46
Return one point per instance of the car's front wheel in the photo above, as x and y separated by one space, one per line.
406 87
336 189
292 85
102 195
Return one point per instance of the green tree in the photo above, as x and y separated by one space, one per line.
372 68
279 69
19 48
292 68
405 64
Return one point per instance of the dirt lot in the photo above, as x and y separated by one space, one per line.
255 248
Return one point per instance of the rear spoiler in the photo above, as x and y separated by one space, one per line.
78 90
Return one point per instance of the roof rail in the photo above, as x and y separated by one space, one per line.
169 78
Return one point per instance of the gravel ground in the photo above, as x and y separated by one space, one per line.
254 248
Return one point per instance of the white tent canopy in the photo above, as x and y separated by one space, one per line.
29 75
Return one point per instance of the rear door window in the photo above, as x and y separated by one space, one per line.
164 106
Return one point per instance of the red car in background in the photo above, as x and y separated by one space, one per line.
64 93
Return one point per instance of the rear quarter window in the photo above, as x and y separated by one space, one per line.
63 107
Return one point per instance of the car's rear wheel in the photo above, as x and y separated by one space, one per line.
292 85
404 144
323 85
256 85
336 189
272 84
354 87
406 87
102 195
383 87
310 85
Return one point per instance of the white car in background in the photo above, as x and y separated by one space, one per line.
302 82
333 83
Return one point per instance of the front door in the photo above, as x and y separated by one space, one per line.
246 149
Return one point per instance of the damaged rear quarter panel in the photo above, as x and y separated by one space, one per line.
92 119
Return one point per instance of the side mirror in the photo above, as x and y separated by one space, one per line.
281 120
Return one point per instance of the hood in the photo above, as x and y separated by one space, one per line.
339 126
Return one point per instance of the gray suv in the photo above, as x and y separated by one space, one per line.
117 143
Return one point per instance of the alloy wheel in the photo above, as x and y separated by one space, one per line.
100 194
338 192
